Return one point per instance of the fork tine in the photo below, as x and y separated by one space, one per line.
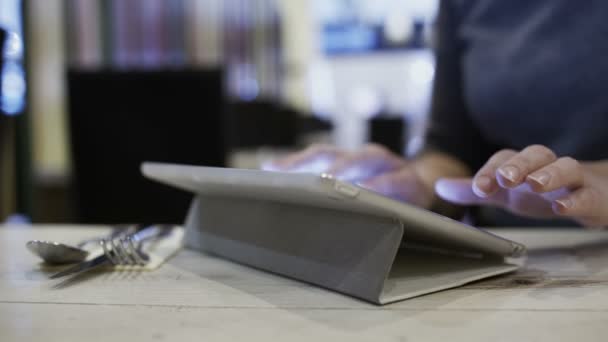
130 251
126 250
119 252
108 252
123 252
140 257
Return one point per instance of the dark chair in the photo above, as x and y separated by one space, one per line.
260 123
389 131
2 41
268 123
3 135
118 119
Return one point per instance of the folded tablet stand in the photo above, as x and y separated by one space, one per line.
356 254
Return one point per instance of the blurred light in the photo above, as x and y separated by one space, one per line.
365 102
249 89
243 82
315 165
451 191
18 219
422 71
12 77
399 28
13 88
357 173
373 11
424 10
415 145
13 48
348 38
321 88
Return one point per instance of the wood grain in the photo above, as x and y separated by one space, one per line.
561 295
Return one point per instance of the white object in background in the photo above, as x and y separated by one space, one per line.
321 88
398 28
399 83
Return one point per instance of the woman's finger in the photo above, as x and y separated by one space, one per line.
484 183
460 191
585 202
563 173
367 163
514 171
457 191
403 185
311 157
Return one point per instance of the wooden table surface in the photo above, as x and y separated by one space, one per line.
561 295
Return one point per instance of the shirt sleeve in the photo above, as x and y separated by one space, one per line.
451 129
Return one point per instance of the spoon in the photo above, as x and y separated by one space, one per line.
58 253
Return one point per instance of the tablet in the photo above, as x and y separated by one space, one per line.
324 191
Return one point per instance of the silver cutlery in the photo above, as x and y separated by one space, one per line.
124 251
58 253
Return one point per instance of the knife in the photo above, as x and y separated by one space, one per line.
84 266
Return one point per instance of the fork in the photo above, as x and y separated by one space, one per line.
127 250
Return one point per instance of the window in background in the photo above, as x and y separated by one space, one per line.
12 76
361 26
375 64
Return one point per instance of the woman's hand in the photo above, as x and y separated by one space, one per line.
374 167
535 182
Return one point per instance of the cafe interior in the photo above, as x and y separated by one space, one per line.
101 101
90 89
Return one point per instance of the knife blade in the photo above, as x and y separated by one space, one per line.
84 266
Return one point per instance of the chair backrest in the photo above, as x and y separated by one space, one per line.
260 123
119 119
3 139
2 42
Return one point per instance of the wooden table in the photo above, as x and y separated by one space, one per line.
562 295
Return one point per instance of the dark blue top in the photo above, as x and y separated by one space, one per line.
520 72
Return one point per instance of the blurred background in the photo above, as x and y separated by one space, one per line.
91 88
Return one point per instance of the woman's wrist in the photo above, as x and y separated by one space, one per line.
598 168
596 178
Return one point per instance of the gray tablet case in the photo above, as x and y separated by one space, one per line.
355 253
